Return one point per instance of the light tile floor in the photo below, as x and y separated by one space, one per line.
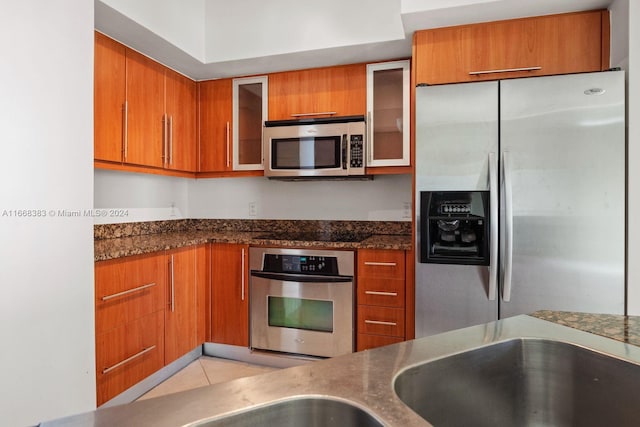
204 371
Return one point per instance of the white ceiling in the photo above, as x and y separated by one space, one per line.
207 39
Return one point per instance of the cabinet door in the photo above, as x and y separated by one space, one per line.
108 99
181 133
229 294
329 91
215 111
388 136
145 111
180 311
249 115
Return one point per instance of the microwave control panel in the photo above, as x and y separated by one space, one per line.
356 151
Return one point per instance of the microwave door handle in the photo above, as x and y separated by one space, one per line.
345 161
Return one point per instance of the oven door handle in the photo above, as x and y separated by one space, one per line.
307 278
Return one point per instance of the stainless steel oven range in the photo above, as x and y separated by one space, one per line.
301 301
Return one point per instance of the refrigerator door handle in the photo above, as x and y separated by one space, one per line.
508 222
493 222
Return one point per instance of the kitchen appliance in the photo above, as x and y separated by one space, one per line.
310 147
548 153
301 301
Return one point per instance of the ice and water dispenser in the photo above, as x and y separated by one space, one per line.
454 227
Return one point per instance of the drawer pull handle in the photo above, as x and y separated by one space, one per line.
127 360
320 113
380 322
119 294
383 264
386 294
505 70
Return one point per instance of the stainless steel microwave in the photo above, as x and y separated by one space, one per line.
332 147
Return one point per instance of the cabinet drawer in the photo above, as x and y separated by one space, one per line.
127 289
381 321
365 342
381 264
383 292
128 354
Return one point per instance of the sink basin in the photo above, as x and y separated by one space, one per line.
524 382
317 412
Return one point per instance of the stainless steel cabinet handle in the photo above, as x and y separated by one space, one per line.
505 70
380 322
243 274
127 292
228 150
384 264
125 129
165 126
369 137
493 222
173 287
321 113
508 223
127 360
386 294
171 140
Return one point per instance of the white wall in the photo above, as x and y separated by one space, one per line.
139 197
633 110
149 197
47 367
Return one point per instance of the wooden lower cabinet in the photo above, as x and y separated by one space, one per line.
230 294
381 283
150 310
128 354
180 310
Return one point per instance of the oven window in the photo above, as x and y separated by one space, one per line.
297 313
306 153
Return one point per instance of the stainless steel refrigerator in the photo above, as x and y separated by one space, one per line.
548 155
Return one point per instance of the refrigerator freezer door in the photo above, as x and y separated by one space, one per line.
564 140
456 129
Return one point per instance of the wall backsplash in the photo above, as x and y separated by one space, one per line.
152 197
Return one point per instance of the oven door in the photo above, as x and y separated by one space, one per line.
302 314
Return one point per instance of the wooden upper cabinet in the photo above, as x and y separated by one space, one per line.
321 92
145 111
109 92
545 45
180 121
215 112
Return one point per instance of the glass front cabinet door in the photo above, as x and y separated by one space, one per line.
249 114
388 114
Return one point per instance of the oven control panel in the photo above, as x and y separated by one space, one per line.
302 264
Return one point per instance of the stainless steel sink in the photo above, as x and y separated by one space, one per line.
313 411
524 382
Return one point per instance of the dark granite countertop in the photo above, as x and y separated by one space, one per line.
117 241
618 327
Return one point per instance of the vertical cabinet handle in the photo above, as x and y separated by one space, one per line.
173 287
125 129
228 150
171 140
165 126
243 268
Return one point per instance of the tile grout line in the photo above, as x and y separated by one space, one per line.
204 371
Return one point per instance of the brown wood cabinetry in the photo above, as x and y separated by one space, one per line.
545 45
181 122
129 322
339 91
180 321
144 113
109 93
215 113
380 297
229 294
